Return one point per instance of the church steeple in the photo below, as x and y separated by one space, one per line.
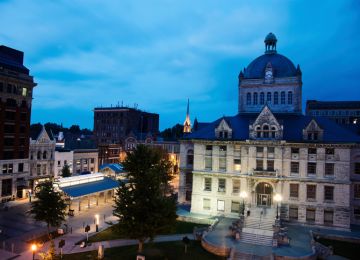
187 123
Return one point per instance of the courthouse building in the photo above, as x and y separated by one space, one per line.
271 148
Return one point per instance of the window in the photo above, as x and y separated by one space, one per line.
248 99
208 157
293 212
330 151
21 167
311 168
24 92
310 214
290 96
357 168
235 206
329 193
357 213
259 149
6 189
220 205
262 98
38 155
294 190
222 158
206 204
44 155
270 150
312 151
357 191
222 185
268 97
329 169
328 217
294 167
59 163
7 168
255 97
92 160
259 165
276 98
237 165
207 184
266 131
294 150
282 97
311 192
270 165
189 158
38 169
236 186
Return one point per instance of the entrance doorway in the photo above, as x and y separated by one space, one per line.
264 194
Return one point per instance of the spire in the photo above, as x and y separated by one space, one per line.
187 123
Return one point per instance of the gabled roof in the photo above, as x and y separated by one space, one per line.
36 132
293 126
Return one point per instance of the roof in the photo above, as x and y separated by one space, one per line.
116 167
35 131
314 104
12 59
293 125
90 187
282 66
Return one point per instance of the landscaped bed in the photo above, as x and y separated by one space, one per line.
342 248
152 251
110 233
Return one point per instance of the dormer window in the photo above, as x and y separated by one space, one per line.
313 132
265 126
223 130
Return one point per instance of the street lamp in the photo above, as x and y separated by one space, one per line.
243 195
97 222
278 199
33 249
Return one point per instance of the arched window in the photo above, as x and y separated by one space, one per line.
273 132
282 98
258 132
290 97
255 101
276 98
39 155
266 131
268 97
248 99
44 155
262 98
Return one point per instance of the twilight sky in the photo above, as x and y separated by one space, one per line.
158 53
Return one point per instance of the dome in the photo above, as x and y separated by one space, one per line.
282 66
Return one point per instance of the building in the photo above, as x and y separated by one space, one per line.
85 160
41 157
342 112
113 124
16 89
63 157
269 148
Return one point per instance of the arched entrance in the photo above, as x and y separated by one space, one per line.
264 194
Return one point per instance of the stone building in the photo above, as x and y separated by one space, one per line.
271 148
41 157
16 88
85 160
63 157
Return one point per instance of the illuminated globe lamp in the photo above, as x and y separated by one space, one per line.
33 249
277 198
243 195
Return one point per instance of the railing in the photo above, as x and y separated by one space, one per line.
270 173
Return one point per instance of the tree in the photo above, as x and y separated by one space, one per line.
145 205
65 171
49 206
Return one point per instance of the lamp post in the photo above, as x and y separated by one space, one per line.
33 249
278 199
97 222
243 195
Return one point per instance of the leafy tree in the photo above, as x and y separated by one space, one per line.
49 206
174 133
145 205
75 129
50 254
65 171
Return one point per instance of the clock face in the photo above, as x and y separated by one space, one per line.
268 74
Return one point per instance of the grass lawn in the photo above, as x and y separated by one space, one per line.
341 248
181 227
156 251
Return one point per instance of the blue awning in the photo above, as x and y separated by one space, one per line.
90 187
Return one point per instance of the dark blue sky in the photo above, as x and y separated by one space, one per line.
159 53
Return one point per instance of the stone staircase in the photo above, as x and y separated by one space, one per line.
258 228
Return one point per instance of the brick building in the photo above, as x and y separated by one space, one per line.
16 90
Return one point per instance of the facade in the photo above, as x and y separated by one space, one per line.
41 157
270 148
85 160
113 124
16 88
342 112
63 157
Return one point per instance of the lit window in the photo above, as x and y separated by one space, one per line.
236 186
222 185
24 92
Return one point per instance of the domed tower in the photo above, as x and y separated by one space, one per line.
272 80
